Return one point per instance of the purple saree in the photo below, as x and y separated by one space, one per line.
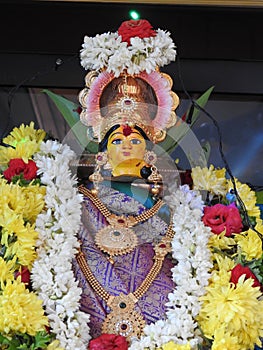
129 270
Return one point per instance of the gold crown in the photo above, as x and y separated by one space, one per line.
145 100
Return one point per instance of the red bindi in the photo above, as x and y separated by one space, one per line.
127 130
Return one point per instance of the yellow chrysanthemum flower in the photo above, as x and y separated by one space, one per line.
25 201
22 150
12 195
172 346
24 134
54 346
24 247
20 310
224 263
236 307
220 241
250 243
34 202
248 197
209 179
223 340
11 224
7 269
222 270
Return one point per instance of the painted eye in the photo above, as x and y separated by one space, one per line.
135 141
117 142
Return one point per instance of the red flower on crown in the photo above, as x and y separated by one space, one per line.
136 28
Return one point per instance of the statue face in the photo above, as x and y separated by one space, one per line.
126 148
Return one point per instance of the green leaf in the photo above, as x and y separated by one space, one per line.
26 341
42 339
207 150
68 109
178 131
259 195
201 101
12 343
25 347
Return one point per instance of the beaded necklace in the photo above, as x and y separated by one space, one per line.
118 238
123 319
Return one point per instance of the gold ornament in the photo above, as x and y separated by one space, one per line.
100 159
118 238
142 99
123 319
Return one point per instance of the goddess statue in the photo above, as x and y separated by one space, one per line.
124 265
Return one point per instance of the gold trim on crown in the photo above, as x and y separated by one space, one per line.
145 100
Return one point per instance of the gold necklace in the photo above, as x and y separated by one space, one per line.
123 319
118 238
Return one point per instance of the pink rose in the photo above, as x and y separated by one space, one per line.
240 270
223 217
135 28
17 166
109 342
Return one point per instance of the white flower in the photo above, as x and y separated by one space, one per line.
108 51
52 275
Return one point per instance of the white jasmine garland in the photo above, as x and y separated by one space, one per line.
52 275
189 248
107 50
53 278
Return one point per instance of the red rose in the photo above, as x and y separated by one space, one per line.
17 166
25 275
223 217
240 270
140 28
109 342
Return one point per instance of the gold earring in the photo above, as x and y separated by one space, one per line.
151 158
101 158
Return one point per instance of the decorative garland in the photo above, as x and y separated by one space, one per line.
136 47
217 302
52 274
190 274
